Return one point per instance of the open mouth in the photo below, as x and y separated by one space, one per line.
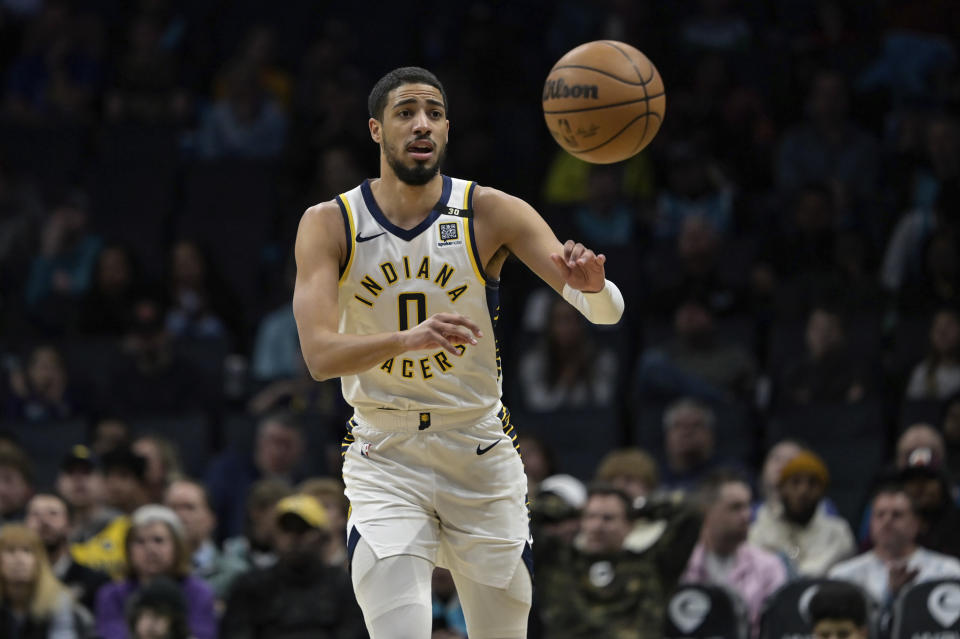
420 150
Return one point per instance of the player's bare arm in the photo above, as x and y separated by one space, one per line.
320 252
503 220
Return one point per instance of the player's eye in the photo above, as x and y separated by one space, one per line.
437 114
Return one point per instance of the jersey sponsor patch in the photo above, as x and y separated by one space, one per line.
449 234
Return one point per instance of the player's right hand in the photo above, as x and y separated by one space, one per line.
445 330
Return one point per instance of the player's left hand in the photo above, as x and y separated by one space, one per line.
582 268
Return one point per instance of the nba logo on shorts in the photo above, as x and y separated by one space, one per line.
449 234
365 449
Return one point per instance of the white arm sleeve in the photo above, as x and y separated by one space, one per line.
603 307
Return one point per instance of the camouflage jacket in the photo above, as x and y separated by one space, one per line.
614 596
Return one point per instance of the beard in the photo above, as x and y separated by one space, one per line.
418 174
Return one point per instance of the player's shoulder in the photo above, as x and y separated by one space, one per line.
321 217
491 202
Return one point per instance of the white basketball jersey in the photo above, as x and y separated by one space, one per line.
394 279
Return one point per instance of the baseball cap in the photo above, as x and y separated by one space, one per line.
123 458
306 507
79 456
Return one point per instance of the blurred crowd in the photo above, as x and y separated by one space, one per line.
781 400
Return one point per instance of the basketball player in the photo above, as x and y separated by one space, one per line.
396 294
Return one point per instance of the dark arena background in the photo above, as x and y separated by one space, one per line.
788 247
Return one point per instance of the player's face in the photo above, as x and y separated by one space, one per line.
413 134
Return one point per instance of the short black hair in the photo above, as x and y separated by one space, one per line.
839 601
605 489
377 101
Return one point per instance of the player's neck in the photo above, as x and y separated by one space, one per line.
403 204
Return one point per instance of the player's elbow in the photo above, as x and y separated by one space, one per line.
318 366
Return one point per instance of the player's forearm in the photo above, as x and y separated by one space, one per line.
331 355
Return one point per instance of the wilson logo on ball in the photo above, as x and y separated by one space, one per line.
555 89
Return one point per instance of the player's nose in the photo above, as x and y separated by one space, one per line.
421 123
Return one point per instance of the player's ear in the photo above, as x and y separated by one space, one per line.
374 125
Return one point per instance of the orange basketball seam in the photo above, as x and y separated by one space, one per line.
633 64
601 72
649 114
606 106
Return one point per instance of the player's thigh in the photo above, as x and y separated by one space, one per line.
496 613
393 593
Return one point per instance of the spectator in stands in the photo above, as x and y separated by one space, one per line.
49 517
689 442
596 587
21 217
604 218
259 50
163 464
896 559
631 470
694 269
61 274
108 304
556 507
246 123
838 610
158 611
276 349
938 375
44 393
189 500
16 482
155 547
278 452
57 75
696 187
80 483
566 369
801 529
928 485
152 378
34 603
109 432
125 490
329 492
777 457
827 372
148 86
724 556
255 547
300 593
697 361
939 283
201 305
950 426
829 147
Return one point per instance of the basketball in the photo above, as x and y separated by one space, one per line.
604 101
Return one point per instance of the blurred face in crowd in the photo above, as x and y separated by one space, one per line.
828 98
187 499
114 273
689 439
80 485
945 333
926 492
14 490
152 550
776 459
697 244
109 434
47 516
824 333
951 422
149 449
151 624
838 629
693 322
46 372
633 485
123 489
800 494
293 535
279 448
604 524
893 524
813 211
18 564
918 436
188 265
728 520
